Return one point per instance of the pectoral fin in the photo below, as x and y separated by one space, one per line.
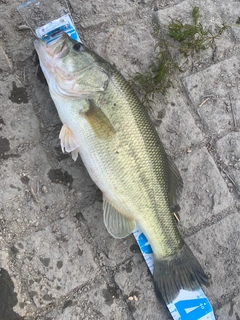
118 225
68 142
99 122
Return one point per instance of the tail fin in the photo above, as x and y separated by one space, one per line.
179 271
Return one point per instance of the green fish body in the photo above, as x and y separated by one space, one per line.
104 122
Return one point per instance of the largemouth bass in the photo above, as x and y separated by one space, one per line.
104 122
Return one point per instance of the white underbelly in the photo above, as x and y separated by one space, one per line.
94 162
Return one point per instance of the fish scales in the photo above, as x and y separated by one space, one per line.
105 122
127 149
148 184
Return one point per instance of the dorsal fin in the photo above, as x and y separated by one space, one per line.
175 183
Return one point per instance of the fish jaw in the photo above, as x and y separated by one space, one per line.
46 61
48 55
57 49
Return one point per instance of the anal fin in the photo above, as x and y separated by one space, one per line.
118 225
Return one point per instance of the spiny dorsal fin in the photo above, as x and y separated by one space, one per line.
118 225
99 122
175 183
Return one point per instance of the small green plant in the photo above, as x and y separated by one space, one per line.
157 78
188 39
193 37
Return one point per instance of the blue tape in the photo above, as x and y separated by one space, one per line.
52 30
54 34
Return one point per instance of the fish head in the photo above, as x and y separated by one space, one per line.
65 62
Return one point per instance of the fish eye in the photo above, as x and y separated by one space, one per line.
77 47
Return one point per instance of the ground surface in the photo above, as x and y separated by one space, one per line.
57 260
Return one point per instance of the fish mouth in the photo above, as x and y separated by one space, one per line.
56 49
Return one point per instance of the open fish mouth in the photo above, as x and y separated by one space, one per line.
56 49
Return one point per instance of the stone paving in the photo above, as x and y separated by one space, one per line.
57 259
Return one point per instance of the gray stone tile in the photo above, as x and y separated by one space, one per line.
99 301
228 155
217 249
175 124
123 45
229 311
219 92
93 13
20 124
27 193
54 261
204 191
230 12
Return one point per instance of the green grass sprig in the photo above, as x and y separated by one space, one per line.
188 39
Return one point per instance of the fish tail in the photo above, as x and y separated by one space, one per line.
176 272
